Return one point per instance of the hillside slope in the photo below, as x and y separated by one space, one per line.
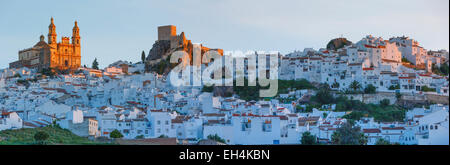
56 136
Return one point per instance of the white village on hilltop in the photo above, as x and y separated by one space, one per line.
394 75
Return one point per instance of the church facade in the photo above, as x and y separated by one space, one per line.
63 55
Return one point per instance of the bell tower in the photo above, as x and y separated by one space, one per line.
76 34
52 33
75 59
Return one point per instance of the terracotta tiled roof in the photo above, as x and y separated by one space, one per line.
372 130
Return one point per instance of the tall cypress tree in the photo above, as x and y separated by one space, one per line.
143 56
95 64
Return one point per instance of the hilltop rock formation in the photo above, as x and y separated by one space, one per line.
167 43
338 43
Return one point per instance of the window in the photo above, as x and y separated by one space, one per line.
167 122
267 127
158 122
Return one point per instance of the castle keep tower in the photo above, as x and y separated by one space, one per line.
63 55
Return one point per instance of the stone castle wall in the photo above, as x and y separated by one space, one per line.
166 32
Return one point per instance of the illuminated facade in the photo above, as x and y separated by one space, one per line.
63 55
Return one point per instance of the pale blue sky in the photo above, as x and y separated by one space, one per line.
114 30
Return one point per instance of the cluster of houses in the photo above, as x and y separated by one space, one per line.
372 61
123 97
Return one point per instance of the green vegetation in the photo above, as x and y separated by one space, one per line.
95 64
381 141
140 137
116 134
355 86
380 112
335 85
285 85
161 66
41 137
370 89
442 70
17 75
46 135
24 82
398 95
207 88
394 87
309 108
406 60
298 109
427 89
308 139
48 72
323 95
252 92
348 134
385 102
163 136
216 137
143 56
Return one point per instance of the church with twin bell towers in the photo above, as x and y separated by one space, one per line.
51 54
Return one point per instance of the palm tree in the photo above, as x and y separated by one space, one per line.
355 86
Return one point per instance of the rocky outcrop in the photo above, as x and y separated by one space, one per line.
159 48
338 43
167 43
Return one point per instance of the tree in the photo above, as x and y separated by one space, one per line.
308 139
381 141
444 69
143 56
398 95
324 96
216 137
370 89
428 89
115 134
140 137
355 86
394 87
335 85
347 134
41 137
95 64
163 136
385 102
